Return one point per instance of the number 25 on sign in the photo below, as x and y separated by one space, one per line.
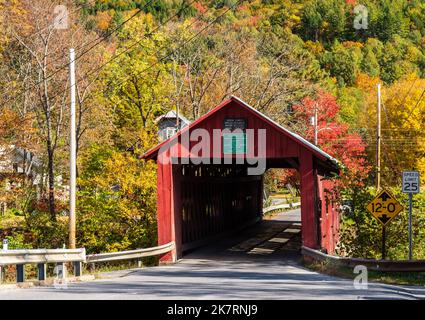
411 181
384 207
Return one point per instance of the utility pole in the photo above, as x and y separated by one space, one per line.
315 124
410 226
72 153
378 140
378 159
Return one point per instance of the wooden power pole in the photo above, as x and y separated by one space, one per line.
378 140
378 160
72 153
316 131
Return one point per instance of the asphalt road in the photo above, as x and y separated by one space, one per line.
261 263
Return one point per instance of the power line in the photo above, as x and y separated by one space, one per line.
413 109
389 129
138 139
186 42
101 38
368 139
158 50
407 94
138 42
58 49
65 66
161 59
48 26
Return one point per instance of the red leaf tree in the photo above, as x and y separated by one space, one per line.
334 136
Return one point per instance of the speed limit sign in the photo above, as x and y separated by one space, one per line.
410 181
410 186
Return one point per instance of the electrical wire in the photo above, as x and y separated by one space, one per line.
96 42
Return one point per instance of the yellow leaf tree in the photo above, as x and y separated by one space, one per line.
403 126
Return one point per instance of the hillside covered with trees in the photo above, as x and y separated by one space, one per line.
137 60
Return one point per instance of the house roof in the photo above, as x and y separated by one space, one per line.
297 138
172 114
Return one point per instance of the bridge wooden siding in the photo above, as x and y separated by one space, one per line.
178 197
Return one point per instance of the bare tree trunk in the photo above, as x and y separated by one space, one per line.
45 80
50 147
52 209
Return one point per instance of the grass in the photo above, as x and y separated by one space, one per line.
118 265
398 278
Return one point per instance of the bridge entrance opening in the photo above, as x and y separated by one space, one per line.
211 177
216 199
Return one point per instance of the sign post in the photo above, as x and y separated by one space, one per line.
410 227
384 236
410 186
384 207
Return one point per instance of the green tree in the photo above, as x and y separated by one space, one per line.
388 19
343 62
137 81
324 19
117 201
400 57
370 64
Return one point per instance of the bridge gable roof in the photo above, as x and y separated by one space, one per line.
202 122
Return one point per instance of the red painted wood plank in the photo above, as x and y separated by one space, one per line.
308 220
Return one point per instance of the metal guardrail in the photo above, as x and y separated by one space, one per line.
41 257
132 254
282 207
371 264
8 257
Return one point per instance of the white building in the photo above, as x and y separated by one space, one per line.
169 124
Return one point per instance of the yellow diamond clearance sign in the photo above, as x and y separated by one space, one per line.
384 207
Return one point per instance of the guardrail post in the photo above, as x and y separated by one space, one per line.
41 271
77 268
20 273
61 270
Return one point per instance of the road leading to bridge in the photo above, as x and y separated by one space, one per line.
260 263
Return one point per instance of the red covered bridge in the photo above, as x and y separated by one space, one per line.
210 178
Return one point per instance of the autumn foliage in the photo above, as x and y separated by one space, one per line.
334 136
286 58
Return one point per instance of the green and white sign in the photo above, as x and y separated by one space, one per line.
234 143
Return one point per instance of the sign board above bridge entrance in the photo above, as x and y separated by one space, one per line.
234 143
234 124
384 207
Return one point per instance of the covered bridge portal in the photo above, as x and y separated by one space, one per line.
210 178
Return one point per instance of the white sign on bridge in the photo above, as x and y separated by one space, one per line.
410 181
